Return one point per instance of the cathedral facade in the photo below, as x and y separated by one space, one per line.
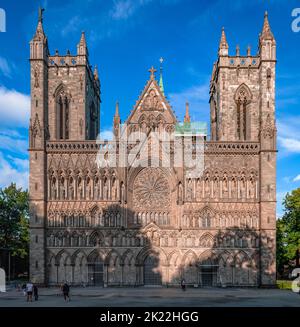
134 225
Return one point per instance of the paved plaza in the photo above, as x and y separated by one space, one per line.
147 297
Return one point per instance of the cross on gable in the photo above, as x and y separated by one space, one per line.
152 70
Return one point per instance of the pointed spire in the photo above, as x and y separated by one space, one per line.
237 51
187 118
82 46
117 110
96 75
117 121
161 82
223 46
266 33
41 14
39 33
82 39
248 51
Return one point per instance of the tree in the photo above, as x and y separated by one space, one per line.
281 258
14 220
290 228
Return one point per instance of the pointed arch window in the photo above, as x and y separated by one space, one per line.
93 122
243 98
62 114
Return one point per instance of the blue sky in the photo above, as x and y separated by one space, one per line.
125 38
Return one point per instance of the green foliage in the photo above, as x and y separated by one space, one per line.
288 231
14 220
280 245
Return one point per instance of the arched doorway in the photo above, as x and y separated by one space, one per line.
95 273
209 271
152 275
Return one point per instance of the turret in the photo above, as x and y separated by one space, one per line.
267 43
223 47
117 121
187 118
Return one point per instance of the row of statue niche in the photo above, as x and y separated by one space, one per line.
240 188
86 188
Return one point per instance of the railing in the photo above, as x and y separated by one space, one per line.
209 146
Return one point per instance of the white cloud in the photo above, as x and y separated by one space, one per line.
5 67
10 174
14 108
288 134
297 178
74 24
106 134
290 145
14 142
123 9
197 96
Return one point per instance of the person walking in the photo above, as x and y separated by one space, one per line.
182 283
66 291
35 292
29 289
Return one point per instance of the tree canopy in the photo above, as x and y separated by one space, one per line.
14 220
288 230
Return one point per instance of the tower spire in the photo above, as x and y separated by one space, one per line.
117 110
41 10
266 33
223 46
82 46
117 121
39 33
187 118
161 82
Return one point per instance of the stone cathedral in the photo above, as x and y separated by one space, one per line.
133 225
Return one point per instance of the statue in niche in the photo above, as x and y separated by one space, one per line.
114 190
251 191
71 189
180 193
225 187
189 193
216 188
105 189
80 188
233 188
62 188
242 188
207 187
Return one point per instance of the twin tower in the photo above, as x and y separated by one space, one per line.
240 163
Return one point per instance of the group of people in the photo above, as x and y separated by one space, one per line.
31 289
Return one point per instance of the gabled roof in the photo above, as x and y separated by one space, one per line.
152 85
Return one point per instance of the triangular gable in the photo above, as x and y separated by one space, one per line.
152 100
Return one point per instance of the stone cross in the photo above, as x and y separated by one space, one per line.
152 70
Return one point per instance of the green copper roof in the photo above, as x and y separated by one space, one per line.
193 128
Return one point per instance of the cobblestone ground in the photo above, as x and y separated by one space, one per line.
145 297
